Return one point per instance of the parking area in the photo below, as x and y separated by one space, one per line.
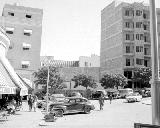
118 114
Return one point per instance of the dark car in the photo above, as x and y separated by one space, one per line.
72 105
98 93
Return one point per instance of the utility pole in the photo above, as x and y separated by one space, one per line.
155 82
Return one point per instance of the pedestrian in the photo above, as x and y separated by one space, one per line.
110 98
30 102
101 101
35 98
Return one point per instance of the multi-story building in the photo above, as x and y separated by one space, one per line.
92 61
23 26
125 38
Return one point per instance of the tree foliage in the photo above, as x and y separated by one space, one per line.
113 80
41 75
142 75
84 80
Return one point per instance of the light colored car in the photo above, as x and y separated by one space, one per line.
134 97
57 97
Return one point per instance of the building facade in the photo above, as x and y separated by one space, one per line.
89 61
125 38
23 26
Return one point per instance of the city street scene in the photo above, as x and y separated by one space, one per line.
79 63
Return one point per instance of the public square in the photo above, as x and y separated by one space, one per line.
118 114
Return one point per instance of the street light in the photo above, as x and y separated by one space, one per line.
155 82
48 58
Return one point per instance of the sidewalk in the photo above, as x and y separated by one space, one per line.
23 119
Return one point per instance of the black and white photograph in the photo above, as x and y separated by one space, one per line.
79 63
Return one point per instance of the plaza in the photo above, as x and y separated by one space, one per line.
118 114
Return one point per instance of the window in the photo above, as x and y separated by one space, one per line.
127 25
138 24
139 48
127 49
146 63
126 12
139 61
26 46
137 37
146 51
25 64
10 13
27 32
86 64
127 37
9 30
138 13
28 16
141 36
127 62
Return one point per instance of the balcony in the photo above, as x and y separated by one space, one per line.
128 54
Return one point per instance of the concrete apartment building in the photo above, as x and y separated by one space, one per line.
23 26
125 38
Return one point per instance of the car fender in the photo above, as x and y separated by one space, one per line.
59 107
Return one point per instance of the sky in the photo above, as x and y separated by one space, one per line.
70 28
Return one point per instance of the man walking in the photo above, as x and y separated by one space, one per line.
101 101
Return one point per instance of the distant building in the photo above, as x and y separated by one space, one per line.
49 60
23 26
125 38
92 61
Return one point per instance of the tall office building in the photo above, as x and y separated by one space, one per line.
23 26
125 38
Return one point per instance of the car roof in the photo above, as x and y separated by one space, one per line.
76 98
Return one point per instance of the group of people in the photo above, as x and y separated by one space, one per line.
101 100
32 102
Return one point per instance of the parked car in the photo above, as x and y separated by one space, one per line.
43 104
134 97
75 94
98 93
72 105
125 92
57 97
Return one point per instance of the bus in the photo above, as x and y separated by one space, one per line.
124 92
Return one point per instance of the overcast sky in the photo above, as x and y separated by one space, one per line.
71 28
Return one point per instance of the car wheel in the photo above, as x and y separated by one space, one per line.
59 113
87 110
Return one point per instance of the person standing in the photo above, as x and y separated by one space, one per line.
30 102
110 98
35 98
101 102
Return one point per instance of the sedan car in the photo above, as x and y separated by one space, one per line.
72 105
57 97
134 97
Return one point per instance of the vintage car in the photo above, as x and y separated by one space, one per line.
134 97
72 105
98 93
57 97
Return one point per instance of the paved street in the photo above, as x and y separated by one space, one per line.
116 115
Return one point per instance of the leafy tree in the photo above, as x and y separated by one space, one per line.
84 80
113 80
143 76
55 80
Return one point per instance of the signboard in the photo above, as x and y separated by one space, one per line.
7 90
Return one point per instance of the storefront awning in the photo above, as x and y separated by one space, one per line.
14 77
7 86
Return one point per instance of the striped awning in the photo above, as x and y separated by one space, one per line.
6 84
